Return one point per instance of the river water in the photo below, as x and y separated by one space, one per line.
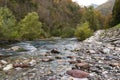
102 58
38 50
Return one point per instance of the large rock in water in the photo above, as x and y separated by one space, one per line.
55 51
17 48
77 73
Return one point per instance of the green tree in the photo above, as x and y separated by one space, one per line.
92 19
7 24
95 19
30 27
116 13
67 32
83 31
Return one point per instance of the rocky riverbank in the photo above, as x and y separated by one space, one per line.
96 58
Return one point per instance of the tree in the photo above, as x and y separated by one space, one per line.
7 24
52 13
92 19
116 13
83 31
30 27
95 18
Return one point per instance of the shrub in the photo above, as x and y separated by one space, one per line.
7 24
83 31
30 27
117 26
67 32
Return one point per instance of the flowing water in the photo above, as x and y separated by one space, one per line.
102 58
36 50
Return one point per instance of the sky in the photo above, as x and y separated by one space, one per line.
89 2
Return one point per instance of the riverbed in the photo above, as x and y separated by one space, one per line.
50 59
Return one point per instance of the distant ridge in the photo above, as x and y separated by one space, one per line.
94 5
106 8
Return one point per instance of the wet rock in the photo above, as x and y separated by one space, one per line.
79 61
3 62
61 61
94 69
25 61
106 50
17 48
44 54
47 60
110 46
82 65
18 68
71 57
1 55
71 78
4 56
0 66
77 73
104 72
92 51
58 57
108 58
31 75
21 65
55 51
72 62
33 62
8 67
52 79
115 64
75 50
117 48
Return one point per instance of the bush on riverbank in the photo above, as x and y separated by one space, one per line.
83 31
30 27
7 24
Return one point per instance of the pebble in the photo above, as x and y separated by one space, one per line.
15 48
21 65
92 51
106 50
3 62
8 67
77 73
55 51
33 62
79 78
47 60
82 65
18 68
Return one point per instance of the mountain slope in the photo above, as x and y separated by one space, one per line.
106 8
94 5
54 14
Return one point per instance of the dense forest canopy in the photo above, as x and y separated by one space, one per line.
106 8
116 13
46 18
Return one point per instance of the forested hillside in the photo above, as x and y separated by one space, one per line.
106 8
59 18
54 14
116 13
